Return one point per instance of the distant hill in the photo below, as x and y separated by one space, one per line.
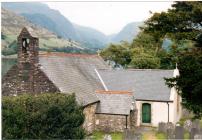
40 14
31 10
127 33
53 20
11 25
41 20
87 34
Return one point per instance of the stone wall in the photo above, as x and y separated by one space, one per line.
26 76
15 83
89 123
111 123
133 118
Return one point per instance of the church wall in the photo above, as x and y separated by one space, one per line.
111 123
89 123
15 83
159 113
26 76
177 107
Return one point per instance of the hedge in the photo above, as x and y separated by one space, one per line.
43 116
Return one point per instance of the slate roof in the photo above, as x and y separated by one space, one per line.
146 84
114 103
74 73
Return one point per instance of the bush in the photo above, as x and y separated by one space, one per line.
44 116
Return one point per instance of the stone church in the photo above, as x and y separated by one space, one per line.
113 99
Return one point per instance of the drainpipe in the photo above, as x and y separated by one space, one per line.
126 121
168 111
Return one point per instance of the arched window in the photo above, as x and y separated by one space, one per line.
25 45
146 113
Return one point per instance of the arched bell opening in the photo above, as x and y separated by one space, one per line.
25 45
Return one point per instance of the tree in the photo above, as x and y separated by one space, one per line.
143 58
118 53
145 40
183 23
44 116
189 83
144 50
141 53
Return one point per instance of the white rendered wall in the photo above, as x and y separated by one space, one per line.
159 112
177 107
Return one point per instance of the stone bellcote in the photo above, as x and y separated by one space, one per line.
26 77
27 48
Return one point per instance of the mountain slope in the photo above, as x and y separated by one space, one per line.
127 33
41 20
63 27
52 20
87 34
12 25
40 14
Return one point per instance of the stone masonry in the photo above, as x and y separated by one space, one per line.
89 112
26 76
111 123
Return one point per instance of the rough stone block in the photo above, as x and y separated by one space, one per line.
193 132
179 132
162 127
198 137
170 133
196 124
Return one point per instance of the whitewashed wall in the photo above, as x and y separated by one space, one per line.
177 107
159 112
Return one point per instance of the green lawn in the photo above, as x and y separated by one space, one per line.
153 135
117 136
160 136
186 135
100 135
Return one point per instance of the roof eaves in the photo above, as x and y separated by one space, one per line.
153 100
114 92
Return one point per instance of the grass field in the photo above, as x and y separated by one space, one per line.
43 42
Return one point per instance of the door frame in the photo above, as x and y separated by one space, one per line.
146 123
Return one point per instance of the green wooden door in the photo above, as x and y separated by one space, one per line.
146 113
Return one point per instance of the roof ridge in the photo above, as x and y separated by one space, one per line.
150 69
62 54
138 69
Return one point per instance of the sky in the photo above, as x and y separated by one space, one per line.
108 17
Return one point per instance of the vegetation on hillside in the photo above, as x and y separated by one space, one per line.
41 15
13 23
44 116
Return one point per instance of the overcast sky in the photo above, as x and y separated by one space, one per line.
108 17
